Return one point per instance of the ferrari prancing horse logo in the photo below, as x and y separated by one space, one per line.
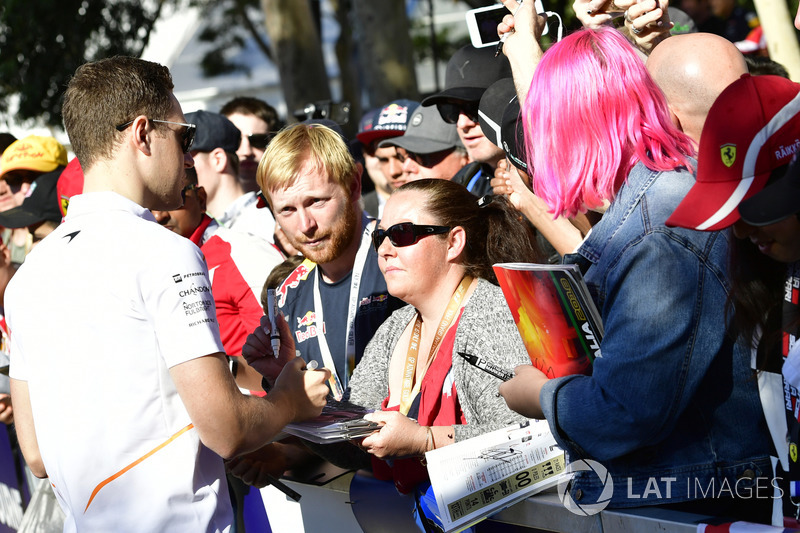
728 154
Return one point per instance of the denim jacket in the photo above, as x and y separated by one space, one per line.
672 408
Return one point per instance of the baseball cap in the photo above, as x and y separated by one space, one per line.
751 130
427 133
776 201
390 120
41 154
214 131
469 73
70 184
498 115
41 204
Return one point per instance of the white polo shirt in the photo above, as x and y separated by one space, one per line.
98 313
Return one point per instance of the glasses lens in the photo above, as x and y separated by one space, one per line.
449 112
259 140
377 238
402 234
187 138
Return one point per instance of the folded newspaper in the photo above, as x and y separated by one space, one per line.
338 422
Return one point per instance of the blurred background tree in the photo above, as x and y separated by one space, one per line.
42 42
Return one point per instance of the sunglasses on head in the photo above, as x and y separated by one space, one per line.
405 234
259 140
187 135
450 111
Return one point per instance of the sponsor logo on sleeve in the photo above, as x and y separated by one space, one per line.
293 280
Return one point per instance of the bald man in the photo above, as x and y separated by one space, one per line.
693 69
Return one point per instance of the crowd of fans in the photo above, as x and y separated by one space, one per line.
657 158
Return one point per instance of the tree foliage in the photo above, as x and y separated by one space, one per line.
227 32
42 42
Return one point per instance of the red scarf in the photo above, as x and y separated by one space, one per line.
438 406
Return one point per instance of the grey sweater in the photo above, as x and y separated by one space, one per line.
486 329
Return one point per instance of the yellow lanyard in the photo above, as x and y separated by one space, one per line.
410 388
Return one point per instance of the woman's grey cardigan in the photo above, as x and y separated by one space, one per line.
486 329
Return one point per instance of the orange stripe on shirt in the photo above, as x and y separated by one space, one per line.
136 462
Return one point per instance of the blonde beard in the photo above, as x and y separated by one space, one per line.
341 234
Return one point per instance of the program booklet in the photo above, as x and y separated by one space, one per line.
477 477
555 315
339 421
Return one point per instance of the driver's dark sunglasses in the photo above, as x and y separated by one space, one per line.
187 135
405 234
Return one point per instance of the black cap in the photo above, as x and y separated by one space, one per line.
499 117
776 201
40 205
214 131
469 73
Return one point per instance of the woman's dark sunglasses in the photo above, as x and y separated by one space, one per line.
405 234
450 111
187 135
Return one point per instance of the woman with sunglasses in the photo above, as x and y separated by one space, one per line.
436 245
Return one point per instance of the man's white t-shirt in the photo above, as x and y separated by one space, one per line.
98 313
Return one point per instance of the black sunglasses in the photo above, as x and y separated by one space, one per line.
187 135
405 234
450 111
259 140
424 160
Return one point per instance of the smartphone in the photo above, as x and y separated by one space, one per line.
482 23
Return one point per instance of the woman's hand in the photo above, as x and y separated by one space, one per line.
596 13
648 23
521 392
398 437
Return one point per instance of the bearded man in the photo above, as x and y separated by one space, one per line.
337 298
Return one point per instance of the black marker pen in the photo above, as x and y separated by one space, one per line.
486 366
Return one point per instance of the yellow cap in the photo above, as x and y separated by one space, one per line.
42 154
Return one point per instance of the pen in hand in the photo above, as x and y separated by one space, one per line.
505 35
278 484
274 313
486 366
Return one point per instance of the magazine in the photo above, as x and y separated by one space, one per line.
555 315
339 421
477 477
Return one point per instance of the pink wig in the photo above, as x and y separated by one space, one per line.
591 113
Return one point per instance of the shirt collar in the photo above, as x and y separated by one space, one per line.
104 201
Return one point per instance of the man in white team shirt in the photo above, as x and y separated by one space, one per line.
122 397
